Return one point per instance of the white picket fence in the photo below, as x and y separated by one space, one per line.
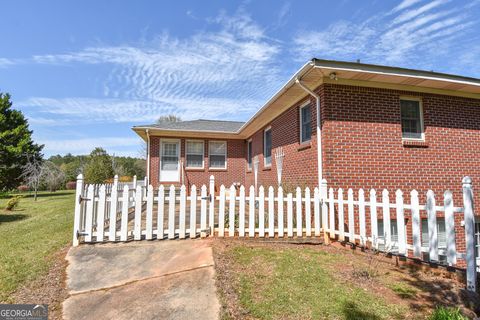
166 213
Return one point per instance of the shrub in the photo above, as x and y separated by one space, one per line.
23 188
71 185
442 313
13 203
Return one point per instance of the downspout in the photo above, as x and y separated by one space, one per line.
148 155
319 129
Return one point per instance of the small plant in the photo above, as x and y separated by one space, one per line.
13 203
71 185
403 290
443 313
23 188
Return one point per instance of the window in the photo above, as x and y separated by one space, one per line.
393 235
305 123
411 114
249 154
217 151
194 154
441 238
267 147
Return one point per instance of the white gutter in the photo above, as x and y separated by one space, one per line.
148 155
319 130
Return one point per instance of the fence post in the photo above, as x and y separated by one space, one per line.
78 209
469 233
115 181
323 200
211 206
134 182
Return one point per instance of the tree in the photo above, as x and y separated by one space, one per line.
169 118
99 168
52 176
32 174
15 144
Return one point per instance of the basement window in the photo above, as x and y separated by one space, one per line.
412 118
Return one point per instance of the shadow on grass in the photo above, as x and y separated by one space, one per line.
11 217
351 312
42 195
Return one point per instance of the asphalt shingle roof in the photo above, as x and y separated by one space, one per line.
199 125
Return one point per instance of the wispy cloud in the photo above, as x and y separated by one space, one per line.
84 146
414 34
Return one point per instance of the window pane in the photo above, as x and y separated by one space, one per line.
169 163
194 161
218 148
194 147
217 161
249 155
306 127
411 119
169 149
268 147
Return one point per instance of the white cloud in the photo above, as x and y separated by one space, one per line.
85 146
405 4
4 62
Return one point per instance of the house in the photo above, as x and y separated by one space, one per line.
381 127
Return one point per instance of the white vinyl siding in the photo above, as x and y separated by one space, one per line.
194 154
217 152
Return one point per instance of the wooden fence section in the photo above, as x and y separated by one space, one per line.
105 213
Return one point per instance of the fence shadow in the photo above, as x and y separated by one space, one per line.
351 312
12 217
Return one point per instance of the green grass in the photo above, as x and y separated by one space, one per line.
300 285
30 235
404 290
443 313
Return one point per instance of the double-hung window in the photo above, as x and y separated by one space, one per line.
412 118
267 147
249 154
194 153
217 152
305 123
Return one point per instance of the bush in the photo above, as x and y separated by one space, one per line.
71 185
13 203
23 188
442 313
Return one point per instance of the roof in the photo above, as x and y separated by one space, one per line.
313 74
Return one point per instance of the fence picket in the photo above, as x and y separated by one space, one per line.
316 211
182 213
137 226
203 212
351 221
298 200
161 212
221 212
241 214
261 212
432 227
193 212
308 213
280 212
101 213
112 226
171 212
149 214
373 218
402 236
323 198
211 209
450 229
341 217
231 211
251 212
290 215
271 217
361 213
124 222
89 214
416 235
331 207
387 233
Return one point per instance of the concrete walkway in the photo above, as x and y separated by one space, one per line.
142 280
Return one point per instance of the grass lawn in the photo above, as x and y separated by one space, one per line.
30 236
281 281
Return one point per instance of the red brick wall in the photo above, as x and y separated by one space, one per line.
235 172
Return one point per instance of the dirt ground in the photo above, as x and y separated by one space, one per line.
418 289
49 289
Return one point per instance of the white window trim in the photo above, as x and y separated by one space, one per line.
249 165
265 164
422 128
160 157
226 155
306 104
203 153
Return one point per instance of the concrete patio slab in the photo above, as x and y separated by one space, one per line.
142 280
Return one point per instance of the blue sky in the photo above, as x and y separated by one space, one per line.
84 72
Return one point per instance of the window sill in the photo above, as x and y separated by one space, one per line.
304 145
267 168
412 143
